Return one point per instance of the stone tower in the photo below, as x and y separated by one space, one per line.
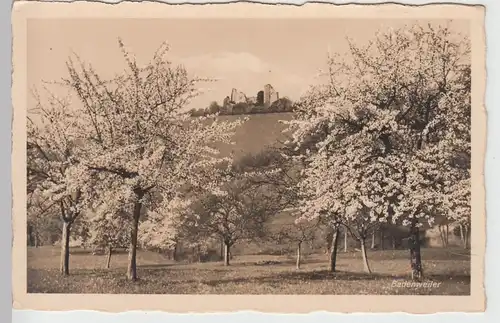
270 95
234 94
237 97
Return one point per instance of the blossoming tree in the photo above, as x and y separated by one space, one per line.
238 211
54 176
136 138
41 212
108 229
380 120
298 233
166 225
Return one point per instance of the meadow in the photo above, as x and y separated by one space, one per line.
449 268
380 154
255 268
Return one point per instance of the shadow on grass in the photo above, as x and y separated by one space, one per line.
167 280
288 277
461 278
158 266
327 275
324 275
151 272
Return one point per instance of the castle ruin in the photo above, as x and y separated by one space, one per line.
265 98
270 95
237 97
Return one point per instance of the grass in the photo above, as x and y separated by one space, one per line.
158 275
247 275
258 132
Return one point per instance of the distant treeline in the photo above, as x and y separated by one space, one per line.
279 106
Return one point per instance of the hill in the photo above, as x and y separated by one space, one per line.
266 101
257 133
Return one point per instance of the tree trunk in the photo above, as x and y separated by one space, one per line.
441 235
299 254
393 243
466 237
333 251
108 259
174 252
328 238
65 248
227 250
345 240
381 239
29 236
132 253
443 231
373 240
415 257
198 251
221 249
366 266
462 237
447 235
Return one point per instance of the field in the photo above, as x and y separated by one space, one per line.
250 274
258 132
253 270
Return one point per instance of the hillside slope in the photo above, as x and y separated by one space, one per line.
259 132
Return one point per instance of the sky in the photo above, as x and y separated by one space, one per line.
244 54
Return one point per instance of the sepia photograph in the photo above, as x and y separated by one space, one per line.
328 155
